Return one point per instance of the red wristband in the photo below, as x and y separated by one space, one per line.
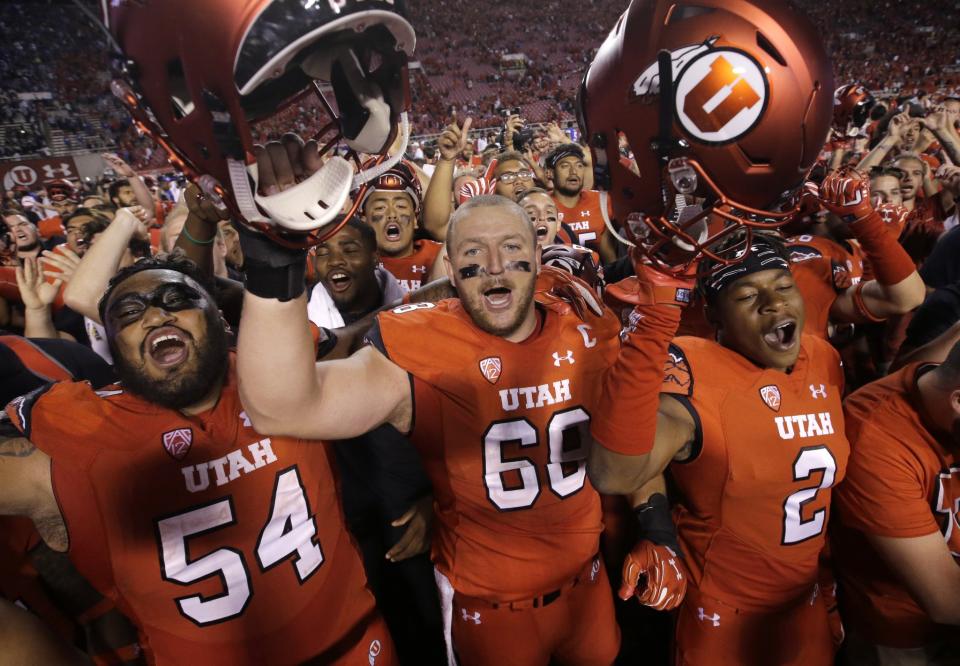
891 264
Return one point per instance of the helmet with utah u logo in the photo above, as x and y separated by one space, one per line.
704 118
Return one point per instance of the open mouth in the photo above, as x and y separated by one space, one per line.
573 181
541 231
167 347
339 281
783 337
498 298
392 232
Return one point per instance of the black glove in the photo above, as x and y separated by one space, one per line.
271 270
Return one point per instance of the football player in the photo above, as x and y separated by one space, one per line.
587 212
751 425
896 540
392 206
223 544
496 389
755 488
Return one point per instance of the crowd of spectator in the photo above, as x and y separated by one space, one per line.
461 52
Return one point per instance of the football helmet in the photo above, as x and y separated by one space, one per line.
399 178
725 105
852 104
197 74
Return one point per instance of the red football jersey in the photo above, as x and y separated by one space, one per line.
586 219
901 482
503 429
411 271
222 545
755 493
822 269
50 227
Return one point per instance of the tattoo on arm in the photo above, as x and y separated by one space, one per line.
16 448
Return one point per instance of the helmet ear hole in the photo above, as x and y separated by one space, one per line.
181 99
771 50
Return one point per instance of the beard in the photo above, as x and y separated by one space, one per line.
474 307
566 191
188 388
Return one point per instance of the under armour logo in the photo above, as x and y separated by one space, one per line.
418 269
470 617
818 392
584 213
246 420
714 619
557 358
51 172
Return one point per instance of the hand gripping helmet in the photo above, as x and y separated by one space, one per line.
197 74
851 106
725 105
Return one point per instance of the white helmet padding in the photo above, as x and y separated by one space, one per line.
313 202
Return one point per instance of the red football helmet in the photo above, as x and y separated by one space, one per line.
197 74
400 178
851 105
746 110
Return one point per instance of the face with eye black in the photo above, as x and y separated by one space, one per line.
492 260
393 217
169 345
542 210
760 316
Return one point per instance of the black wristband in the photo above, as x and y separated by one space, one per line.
283 283
654 523
328 342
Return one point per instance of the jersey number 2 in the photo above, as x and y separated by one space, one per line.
565 453
290 530
810 460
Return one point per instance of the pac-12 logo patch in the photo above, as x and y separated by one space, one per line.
721 95
771 396
374 651
490 368
177 442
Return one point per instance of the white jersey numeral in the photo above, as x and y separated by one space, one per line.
290 529
810 460
567 437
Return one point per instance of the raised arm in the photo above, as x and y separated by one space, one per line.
37 295
437 206
283 391
898 288
200 229
101 261
634 431
876 156
140 190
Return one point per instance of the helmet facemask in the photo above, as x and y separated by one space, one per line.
353 67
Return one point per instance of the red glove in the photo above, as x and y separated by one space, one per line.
555 285
894 216
666 580
846 193
651 287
